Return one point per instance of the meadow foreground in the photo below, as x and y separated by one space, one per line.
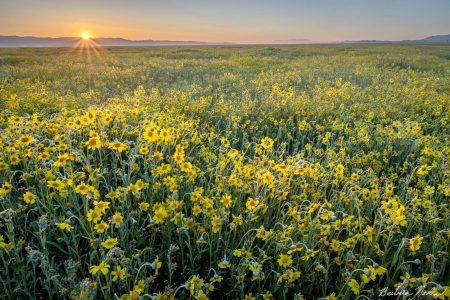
256 172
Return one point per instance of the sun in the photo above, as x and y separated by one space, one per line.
85 36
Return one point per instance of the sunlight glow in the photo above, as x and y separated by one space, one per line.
85 36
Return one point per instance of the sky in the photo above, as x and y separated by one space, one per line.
229 20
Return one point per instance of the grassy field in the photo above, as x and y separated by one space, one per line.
241 172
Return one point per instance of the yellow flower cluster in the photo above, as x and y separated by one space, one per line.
281 173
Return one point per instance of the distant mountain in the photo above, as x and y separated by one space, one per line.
435 39
31 41
441 39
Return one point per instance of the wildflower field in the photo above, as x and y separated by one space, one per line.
239 172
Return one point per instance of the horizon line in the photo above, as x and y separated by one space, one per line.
306 40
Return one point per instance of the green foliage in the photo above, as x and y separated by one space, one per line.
224 172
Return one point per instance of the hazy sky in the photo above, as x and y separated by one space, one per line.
230 20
